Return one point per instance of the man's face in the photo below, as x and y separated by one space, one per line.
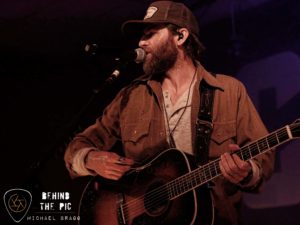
161 51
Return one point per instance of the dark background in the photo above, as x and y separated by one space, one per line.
47 79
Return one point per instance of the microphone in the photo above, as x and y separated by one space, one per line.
137 55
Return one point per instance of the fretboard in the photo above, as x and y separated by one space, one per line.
211 170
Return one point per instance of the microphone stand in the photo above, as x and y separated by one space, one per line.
73 127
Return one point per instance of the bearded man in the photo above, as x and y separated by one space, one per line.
158 111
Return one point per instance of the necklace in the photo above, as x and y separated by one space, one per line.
170 132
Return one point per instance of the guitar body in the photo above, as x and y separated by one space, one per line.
144 196
168 190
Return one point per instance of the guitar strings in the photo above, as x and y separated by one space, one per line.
194 179
155 193
156 190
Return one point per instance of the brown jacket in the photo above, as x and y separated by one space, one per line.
135 117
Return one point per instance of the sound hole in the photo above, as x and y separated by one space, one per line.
156 199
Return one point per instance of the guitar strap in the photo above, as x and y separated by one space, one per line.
204 124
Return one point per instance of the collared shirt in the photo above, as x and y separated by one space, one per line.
178 119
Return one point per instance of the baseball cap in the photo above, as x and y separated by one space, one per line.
163 12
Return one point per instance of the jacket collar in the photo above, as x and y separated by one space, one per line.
209 78
202 73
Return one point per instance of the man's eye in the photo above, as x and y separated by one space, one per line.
148 35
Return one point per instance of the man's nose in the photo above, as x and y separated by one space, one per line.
142 43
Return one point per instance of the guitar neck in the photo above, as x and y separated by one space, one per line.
212 170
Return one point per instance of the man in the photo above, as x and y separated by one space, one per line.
159 111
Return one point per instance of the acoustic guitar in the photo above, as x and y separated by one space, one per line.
167 190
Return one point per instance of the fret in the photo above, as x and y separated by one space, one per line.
204 173
257 146
189 183
218 170
179 188
263 144
267 143
215 169
209 171
244 153
176 191
241 155
272 140
182 185
276 135
195 180
170 190
253 148
200 176
283 136
250 152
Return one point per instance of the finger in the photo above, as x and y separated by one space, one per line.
224 166
112 176
226 174
245 167
111 166
236 165
229 163
124 161
230 167
118 168
117 159
109 174
242 165
108 164
233 147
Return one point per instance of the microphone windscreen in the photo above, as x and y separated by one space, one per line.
140 55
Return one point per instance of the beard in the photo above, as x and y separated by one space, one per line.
160 61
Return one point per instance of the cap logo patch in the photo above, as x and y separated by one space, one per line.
150 12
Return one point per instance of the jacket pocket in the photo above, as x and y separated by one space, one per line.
223 132
133 132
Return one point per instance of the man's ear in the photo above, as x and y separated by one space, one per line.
180 36
183 34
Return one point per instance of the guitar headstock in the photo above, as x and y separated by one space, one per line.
295 128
